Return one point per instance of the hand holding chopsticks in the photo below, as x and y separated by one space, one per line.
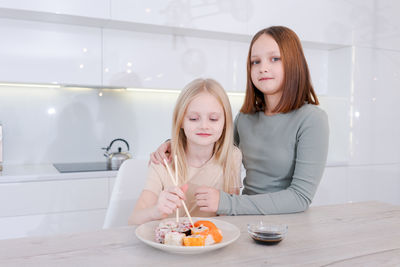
175 182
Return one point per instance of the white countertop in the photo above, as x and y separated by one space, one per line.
45 172
357 234
16 173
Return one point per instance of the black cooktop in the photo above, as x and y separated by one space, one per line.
82 167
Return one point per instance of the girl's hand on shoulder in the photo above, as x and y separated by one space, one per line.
162 152
207 198
168 201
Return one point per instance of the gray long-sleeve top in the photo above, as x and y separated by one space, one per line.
284 156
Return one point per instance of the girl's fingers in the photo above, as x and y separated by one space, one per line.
171 205
174 199
202 203
154 159
176 191
159 157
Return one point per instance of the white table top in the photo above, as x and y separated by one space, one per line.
349 234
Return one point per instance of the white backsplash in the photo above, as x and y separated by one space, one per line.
43 125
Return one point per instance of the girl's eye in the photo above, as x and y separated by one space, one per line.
213 119
274 59
193 119
255 62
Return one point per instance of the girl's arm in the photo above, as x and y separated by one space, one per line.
312 150
150 207
145 208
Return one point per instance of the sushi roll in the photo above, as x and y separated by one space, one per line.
168 224
216 235
183 228
200 230
160 233
208 224
194 240
174 239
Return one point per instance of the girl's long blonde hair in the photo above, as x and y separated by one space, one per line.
223 148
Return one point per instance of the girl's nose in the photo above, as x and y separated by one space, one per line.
204 124
264 67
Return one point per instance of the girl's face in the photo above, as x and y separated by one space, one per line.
204 120
266 65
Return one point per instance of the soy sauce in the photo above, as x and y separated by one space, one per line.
267 238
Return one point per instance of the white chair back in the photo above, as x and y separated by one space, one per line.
130 181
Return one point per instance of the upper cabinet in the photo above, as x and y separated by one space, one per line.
36 52
145 60
321 21
86 8
160 43
218 15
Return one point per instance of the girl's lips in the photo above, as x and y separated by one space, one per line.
265 79
204 134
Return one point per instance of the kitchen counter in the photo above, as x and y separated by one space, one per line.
349 234
45 172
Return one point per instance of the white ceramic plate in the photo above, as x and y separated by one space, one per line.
230 232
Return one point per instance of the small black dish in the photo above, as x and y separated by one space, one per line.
267 234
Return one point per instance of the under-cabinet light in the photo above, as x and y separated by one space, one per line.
31 85
150 90
103 88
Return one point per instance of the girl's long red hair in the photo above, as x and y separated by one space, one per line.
296 87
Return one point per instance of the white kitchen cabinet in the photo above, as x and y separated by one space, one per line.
333 188
51 223
28 198
220 15
37 52
135 59
53 207
374 182
87 8
328 21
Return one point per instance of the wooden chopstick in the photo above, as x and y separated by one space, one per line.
176 182
183 202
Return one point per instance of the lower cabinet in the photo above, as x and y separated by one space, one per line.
53 207
51 223
347 184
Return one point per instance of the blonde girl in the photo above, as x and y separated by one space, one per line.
202 141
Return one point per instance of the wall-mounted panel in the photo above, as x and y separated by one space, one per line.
36 52
134 59
323 21
376 112
219 15
87 8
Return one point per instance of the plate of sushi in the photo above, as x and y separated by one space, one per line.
184 238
